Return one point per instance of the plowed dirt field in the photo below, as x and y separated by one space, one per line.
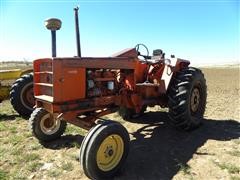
157 151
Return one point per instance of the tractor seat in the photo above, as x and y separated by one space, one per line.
153 60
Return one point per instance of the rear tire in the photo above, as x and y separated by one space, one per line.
21 95
104 150
44 127
187 98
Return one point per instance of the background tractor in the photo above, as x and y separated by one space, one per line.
79 90
20 91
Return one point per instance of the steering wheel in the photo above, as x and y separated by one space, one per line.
137 47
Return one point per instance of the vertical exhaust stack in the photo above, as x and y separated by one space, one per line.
53 24
77 31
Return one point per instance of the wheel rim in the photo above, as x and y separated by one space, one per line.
110 152
27 97
49 125
195 99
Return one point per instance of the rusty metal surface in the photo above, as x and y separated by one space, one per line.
61 84
99 62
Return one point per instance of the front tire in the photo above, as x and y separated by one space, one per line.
104 150
44 126
187 99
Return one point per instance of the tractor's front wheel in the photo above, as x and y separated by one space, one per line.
187 98
45 126
104 150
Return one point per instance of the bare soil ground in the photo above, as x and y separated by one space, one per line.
157 151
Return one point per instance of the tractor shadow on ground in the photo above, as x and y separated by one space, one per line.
7 117
66 141
158 151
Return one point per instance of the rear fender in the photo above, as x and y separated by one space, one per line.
176 64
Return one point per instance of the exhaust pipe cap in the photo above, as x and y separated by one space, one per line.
53 24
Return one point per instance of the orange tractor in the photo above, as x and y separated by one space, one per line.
79 90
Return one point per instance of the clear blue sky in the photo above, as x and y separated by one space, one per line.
206 31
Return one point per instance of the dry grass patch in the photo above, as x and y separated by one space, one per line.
154 145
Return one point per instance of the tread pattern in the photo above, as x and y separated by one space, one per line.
15 94
91 144
179 98
84 146
34 123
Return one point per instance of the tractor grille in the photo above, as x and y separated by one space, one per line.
43 80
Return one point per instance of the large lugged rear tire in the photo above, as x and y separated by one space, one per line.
21 95
187 98
104 150
44 126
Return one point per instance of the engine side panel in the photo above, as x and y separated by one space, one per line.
69 83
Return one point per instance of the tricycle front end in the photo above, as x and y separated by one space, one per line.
79 90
